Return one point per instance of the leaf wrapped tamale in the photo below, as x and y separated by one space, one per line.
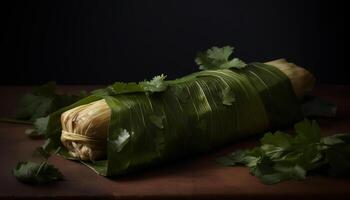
122 130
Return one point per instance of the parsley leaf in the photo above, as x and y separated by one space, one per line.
36 173
283 157
218 58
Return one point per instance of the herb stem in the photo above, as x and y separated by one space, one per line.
15 121
42 165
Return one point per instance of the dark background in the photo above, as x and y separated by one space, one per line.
99 42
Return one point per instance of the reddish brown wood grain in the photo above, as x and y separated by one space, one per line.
199 178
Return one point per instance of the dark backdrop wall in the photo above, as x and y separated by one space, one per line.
99 42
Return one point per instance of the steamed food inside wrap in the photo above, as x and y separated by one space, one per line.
85 128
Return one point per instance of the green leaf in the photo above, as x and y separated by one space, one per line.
36 173
279 139
118 88
317 107
122 88
234 63
121 140
236 158
31 106
218 58
336 139
307 132
262 165
37 105
343 136
157 120
157 84
39 129
333 139
283 157
42 101
228 96
309 156
274 152
283 173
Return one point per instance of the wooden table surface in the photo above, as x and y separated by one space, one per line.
199 178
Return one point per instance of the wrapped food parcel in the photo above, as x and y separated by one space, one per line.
130 126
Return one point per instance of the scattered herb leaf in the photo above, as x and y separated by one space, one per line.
318 107
36 173
39 129
283 157
42 101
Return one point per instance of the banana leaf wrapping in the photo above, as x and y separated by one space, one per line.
195 114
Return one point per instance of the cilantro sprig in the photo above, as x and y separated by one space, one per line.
157 84
218 58
39 128
282 157
37 173
42 101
